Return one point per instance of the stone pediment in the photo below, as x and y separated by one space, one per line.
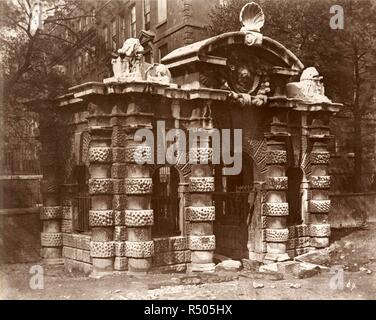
243 62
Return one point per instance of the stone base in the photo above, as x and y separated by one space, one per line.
276 257
99 275
53 261
204 267
175 268
255 256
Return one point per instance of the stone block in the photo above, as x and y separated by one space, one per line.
202 243
139 218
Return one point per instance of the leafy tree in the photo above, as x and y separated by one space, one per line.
31 43
345 57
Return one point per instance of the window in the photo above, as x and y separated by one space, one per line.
133 30
163 50
105 36
114 34
124 28
80 24
86 59
93 16
79 64
146 14
162 10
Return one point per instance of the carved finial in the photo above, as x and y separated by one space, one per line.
252 17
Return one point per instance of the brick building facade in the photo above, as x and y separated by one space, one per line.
161 25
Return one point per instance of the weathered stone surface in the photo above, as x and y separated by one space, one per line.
102 249
119 202
67 212
78 266
118 155
306 270
47 213
302 242
320 182
76 241
100 186
120 249
302 230
319 242
276 157
201 242
277 235
120 233
251 265
177 268
118 186
138 185
204 267
320 157
121 263
201 184
118 170
178 243
319 230
277 183
66 226
140 249
319 257
200 155
292 232
118 136
172 257
319 206
229 265
138 154
200 213
119 218
101 218
275 209
100 155
51 239
139 218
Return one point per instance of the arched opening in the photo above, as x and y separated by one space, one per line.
165 202
232 209
294 195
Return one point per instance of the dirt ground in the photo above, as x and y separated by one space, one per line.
354 250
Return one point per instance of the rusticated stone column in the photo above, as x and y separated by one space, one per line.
319 203
101 215
201 212
275 208
139 247
51 213
118 172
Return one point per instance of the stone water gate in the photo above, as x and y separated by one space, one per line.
104 212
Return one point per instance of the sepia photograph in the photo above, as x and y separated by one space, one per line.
201 151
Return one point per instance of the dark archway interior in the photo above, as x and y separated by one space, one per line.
232 209
165 202
294 195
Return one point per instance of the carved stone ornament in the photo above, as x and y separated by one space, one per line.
129 65
309 88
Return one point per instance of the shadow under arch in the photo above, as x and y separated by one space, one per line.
294 195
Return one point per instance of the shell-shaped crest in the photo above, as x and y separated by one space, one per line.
252 17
